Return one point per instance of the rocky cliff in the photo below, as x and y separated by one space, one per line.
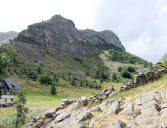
61 34
8 35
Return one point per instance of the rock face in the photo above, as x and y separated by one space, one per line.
61 34
146 110
8 35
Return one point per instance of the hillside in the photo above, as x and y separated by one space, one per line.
58 45
143 106
76 62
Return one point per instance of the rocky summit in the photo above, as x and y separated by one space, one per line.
61 34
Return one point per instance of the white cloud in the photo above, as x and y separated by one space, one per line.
141 25
17 14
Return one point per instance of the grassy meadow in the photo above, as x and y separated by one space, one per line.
39 99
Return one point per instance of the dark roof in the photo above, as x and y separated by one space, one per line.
11 84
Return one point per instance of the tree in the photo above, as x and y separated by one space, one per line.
38 69
53 89
114 77
125 74
119 69
4 62
112 89
0 91
45 79
73 82
21 110
130 69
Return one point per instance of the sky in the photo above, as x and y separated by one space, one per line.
140 24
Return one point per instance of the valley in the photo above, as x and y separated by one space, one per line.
76 63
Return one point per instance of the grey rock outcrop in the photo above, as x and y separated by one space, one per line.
61 34
146 110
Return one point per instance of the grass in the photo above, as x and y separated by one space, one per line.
39 99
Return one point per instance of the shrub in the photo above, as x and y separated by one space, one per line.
131 69
45 79
101 75
114 77
73 81
112 89
126 74
53 90
119 69
32 75
38 69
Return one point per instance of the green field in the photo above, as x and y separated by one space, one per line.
39 99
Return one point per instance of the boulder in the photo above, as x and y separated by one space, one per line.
116 124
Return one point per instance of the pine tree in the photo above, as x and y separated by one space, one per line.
21 110
53 89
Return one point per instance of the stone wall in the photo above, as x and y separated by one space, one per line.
143 78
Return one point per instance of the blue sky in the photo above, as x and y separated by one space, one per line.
140 24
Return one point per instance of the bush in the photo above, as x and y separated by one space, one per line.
131 69
101 75
112 89
73 81
45 79
119 69
114 77
126 74
38 69
53 90
32 75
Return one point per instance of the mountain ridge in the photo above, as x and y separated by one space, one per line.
61 34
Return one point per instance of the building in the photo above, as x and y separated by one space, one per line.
6 100
10 87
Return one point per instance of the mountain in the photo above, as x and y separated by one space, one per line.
8 35
58 44
61 34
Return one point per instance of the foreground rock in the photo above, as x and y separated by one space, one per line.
147 110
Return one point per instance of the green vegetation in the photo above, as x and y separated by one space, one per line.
100 74
53 90
125 74
45 79
21 110
125 57
164 63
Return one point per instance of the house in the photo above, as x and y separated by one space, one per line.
10 87
6 100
